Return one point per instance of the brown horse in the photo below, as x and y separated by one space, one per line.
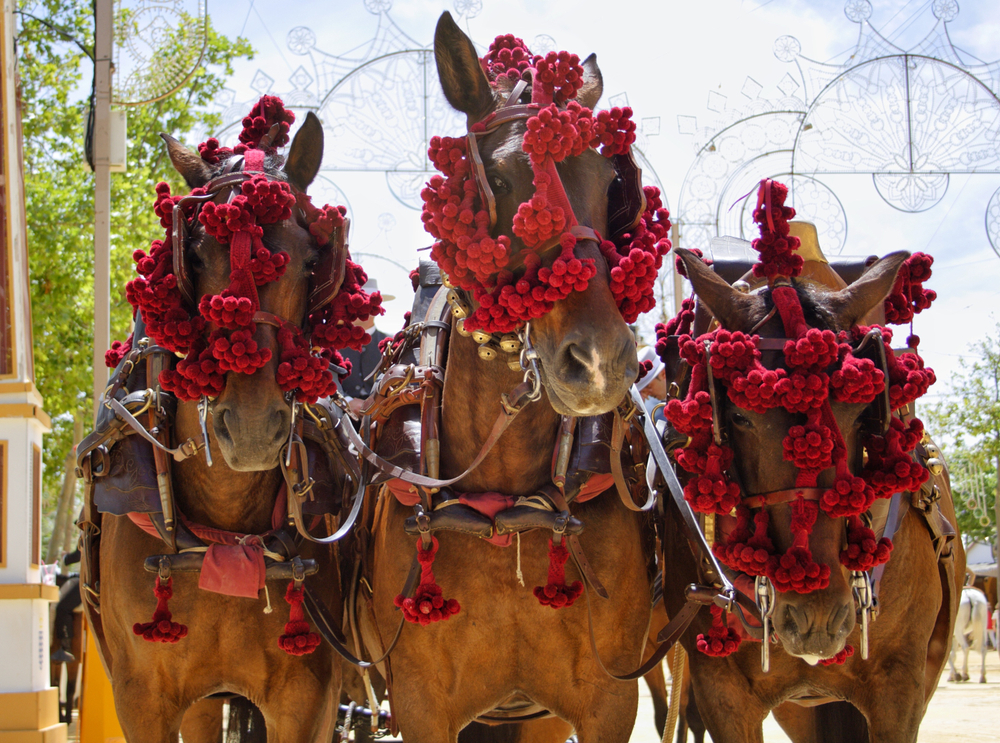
884 697
231 646
505 652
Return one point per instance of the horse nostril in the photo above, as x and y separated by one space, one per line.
799 618
841 622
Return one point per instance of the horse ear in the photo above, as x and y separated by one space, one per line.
730 307
462 78
306 153
593 83
853 303
189 164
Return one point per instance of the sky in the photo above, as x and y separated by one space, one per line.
712 60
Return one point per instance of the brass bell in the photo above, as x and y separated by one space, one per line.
460 327
742 287
446 281
488 351
510 343
514 364
932 451
926 438
459 307
481 337
936 466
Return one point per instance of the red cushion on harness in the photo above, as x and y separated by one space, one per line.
490 504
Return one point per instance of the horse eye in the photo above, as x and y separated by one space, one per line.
741 420
499 184
311 264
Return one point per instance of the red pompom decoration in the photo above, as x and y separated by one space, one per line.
297 639
721 639
428 605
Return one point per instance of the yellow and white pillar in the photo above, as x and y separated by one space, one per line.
29 707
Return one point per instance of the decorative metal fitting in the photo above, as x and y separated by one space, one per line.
459 307
481 337
742 287
489 351
510 343
764 597
446 281
164 568
460 327
935 465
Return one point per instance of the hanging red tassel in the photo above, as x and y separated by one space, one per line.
428 605
297 640
721 639
161 629
795 570
840 658
556 593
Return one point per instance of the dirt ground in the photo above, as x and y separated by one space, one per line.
958 713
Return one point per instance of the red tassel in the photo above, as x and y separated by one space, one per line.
556 593
796 570
297 640
161 629
428 605
840 658
721 639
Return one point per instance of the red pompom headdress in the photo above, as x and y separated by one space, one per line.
304 364
455 213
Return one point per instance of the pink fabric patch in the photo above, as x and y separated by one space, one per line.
234 563
234 570
490 504
405 493
596 485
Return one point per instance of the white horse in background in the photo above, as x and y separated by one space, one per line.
970 631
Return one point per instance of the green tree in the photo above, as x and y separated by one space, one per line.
55 49
967 425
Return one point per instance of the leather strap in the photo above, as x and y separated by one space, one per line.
327 627
668 635
782 496
617 439
513 405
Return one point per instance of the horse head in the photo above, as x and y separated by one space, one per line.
529 200
240 299
813 615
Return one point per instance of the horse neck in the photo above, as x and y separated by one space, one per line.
219 496
521 461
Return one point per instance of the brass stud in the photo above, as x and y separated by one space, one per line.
932 451
514 364
742 287
510 343
936 466
480 337
459 307
460 327
446 281
488 352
